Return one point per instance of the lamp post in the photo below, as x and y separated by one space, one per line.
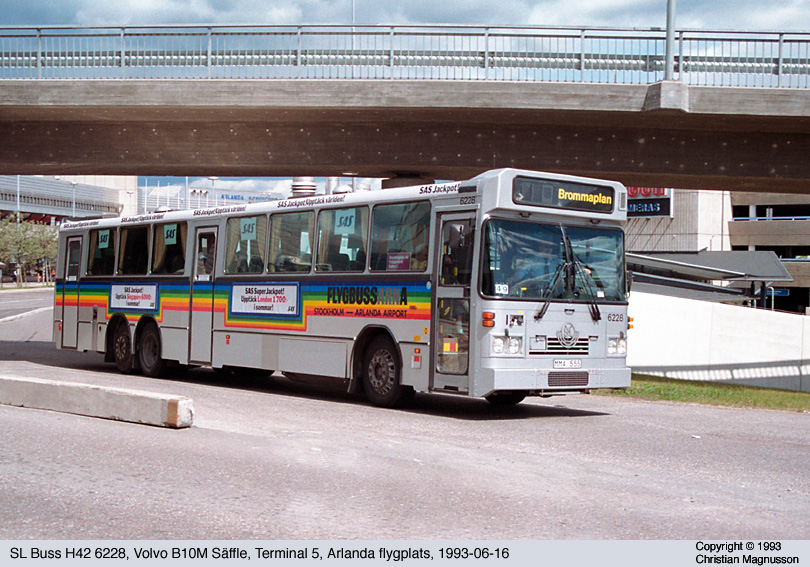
213 178
669 62
199 193
74 183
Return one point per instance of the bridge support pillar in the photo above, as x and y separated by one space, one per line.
667 95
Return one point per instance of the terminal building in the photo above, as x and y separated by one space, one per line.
50 200
734 247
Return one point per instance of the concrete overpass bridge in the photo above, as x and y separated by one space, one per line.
385 101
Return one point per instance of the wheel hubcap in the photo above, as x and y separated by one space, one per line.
381 371
122 347
150 351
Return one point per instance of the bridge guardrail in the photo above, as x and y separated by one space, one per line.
591 55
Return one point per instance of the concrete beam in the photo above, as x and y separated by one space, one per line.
95 401
667 134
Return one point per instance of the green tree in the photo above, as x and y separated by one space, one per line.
26 243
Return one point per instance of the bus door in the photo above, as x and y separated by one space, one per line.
202 295
451 332
70 293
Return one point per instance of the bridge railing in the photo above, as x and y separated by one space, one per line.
592 55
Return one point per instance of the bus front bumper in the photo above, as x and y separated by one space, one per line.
544 381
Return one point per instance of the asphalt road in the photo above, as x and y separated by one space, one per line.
14 302
271 459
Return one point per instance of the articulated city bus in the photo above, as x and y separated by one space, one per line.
508 285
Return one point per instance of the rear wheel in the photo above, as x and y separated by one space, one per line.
382 375
150 352
122 349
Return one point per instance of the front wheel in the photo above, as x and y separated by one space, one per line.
150 352
122 349
382 375
502 399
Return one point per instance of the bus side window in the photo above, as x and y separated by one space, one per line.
169 248
101 254
457 247
244 245
399 237
134 251
342 240
74 259
206 255
291 237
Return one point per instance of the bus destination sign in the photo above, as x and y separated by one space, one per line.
562 195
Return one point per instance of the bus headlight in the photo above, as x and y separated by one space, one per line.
617 346
507 345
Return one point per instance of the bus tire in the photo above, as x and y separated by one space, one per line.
503 399
150 352
382 375
122 349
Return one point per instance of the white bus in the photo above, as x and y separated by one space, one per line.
508 285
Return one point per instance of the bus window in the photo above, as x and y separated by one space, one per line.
74 259
169 248
342 235
134 256
244 245
454 336
457 246
101 255
291 237
399 237
206 255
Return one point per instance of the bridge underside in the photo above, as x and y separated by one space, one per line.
666 134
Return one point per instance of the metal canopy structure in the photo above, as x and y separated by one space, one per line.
737 266
688 274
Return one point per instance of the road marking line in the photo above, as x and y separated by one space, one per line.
21 315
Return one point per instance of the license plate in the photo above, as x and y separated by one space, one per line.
567 363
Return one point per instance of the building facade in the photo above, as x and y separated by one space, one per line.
779 223
696 220
51 199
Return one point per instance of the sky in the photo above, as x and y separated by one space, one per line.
748 15
761 15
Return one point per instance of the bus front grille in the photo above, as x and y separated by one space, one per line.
554 347
567 379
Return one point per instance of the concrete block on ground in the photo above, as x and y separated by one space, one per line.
134 406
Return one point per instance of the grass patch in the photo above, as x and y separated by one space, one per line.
712 393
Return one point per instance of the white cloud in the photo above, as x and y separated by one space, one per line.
610 13
156 12
707 14
762 15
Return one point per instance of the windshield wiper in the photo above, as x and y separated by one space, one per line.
570 267
577 266
593 307
546 295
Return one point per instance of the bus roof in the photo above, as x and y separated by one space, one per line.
433 192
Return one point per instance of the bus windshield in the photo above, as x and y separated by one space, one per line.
545 262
